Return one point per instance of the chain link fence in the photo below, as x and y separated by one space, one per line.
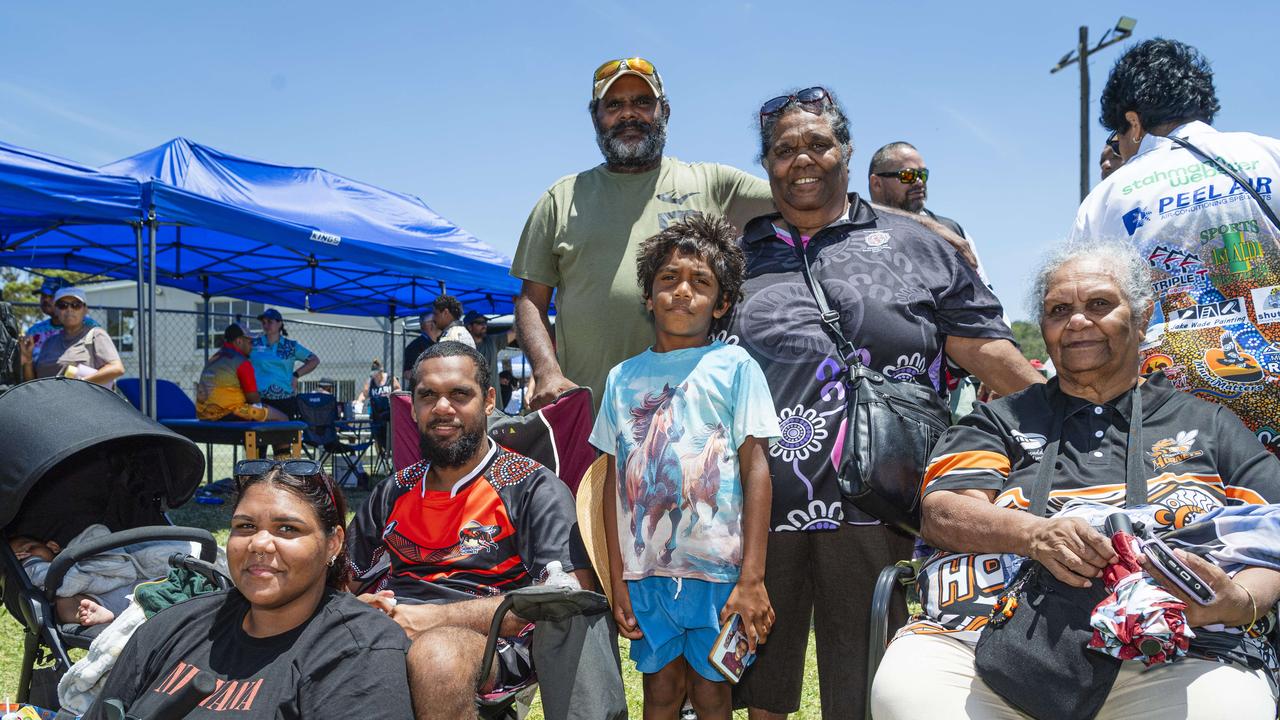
185 339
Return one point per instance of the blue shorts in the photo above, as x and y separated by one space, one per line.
679 616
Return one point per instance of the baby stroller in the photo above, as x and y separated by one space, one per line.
75 454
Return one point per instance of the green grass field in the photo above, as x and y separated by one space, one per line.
216 518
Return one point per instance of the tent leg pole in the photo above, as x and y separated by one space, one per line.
151 323
140 326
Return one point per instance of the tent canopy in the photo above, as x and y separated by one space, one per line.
293 236
38 191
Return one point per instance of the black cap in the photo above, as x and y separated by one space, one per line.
233 333
473 316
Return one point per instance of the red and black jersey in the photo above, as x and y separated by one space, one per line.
493 532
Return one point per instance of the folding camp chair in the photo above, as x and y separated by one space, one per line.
78 454
320 412
379 427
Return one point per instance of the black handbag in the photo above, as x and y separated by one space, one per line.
890 429
1032 650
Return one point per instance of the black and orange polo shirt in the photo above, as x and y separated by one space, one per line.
495 531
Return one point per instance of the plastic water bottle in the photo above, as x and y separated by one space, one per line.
557 577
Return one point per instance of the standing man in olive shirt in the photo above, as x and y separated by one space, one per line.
580 240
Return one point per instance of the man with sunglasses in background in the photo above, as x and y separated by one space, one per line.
581 237
42 330
899 179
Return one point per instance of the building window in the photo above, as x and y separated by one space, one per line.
120 326
222 313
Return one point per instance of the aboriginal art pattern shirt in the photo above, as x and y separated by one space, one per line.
674 421
494 531
1198 456
274 365
900 291
1215 265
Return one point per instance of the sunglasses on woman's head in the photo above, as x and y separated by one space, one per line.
906 176
302 468
812 100
64 305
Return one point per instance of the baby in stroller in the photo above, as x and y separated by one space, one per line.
98 588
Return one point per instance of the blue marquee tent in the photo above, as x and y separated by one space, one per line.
218 224
294 236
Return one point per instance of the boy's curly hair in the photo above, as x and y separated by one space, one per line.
710 238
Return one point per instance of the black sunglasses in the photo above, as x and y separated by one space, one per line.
302 468
812 100
1113 142
906 176
64 305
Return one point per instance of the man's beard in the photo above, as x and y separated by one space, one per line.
643 153
455 454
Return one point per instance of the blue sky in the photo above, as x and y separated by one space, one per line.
478 107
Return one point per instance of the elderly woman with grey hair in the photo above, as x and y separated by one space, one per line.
914 310
1093 303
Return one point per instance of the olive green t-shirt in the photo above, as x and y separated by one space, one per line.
581 239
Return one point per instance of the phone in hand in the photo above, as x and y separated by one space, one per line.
730 654
1163 557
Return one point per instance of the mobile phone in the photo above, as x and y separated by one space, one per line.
730 655
1177 571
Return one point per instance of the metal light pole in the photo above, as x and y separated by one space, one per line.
1122 30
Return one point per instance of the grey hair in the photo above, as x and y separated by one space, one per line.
1130 272
831 112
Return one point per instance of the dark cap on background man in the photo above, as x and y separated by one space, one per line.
53 284
474 316
233 333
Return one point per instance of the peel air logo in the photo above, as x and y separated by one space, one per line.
1266 304
1135 219
326 238
1200 317
1220 192
1033 443
1176 449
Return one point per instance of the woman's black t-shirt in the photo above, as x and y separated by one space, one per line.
346 659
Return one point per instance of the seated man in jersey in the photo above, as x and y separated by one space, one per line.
438 543
228 389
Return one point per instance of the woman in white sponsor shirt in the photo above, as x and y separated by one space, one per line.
1212 251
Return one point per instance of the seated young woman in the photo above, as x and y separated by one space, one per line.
287 641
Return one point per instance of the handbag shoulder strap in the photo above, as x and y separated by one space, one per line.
1135 477
846 353
1242 181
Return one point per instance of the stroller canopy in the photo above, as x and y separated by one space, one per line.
44 422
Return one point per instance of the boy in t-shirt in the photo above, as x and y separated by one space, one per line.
686 424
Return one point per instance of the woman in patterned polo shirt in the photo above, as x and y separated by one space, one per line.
1094 303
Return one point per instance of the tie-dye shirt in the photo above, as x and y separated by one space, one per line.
673 422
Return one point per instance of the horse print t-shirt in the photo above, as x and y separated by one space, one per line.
674 422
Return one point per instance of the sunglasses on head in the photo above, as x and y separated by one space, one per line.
302 468
65 305
1113 142
613 67
812 100
906 176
